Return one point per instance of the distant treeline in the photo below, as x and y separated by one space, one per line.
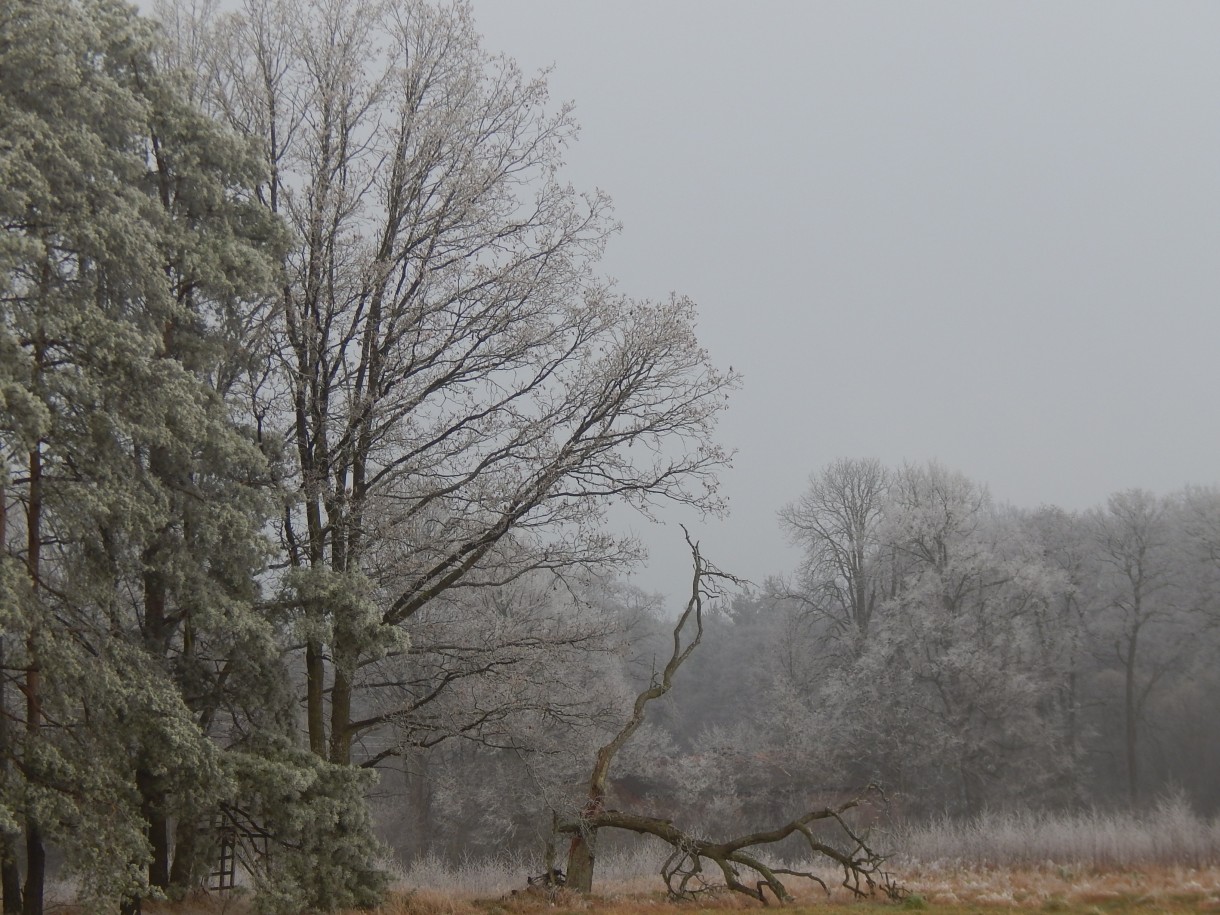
965 656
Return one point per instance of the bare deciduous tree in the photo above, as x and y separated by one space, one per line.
1134 545
465 396
836 521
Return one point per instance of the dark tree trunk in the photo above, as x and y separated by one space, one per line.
35 853
35 871
10 874
183 875
340 718
1131 746
10 877
153 809
315 688
158 631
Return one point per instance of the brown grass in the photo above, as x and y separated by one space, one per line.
1047 888
934 889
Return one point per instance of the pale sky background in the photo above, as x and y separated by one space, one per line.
986 233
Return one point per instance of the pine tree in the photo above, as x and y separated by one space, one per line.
133 266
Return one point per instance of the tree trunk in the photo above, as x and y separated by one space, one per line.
315 690
1132 713
10 875
153 809
35 853
183 874
581 853
340 717
157 635
1073 737
580 861
35 870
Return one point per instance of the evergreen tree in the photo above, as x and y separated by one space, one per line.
133 267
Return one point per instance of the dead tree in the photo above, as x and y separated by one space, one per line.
735 857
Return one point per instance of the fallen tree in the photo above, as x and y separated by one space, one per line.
684 870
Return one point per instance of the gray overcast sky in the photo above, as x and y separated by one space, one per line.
980 232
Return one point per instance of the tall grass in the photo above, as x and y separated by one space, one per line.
1169 834
476 877
1023 859
629 868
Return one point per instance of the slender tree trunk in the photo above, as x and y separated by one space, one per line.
158 838
315 663
340 718
182 874
10 875
153 809
156 638
1132 714
35 853
861 609
340 751
1073 736
315 689
186 850
419 805
35 870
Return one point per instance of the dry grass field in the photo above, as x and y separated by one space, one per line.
949 890
936 890
1166 861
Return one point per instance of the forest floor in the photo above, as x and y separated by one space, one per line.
936 890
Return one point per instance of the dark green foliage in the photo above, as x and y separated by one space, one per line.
322 854
133 269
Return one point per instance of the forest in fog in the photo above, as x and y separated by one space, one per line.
314 405
966 656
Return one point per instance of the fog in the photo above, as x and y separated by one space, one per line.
980 233
318 428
